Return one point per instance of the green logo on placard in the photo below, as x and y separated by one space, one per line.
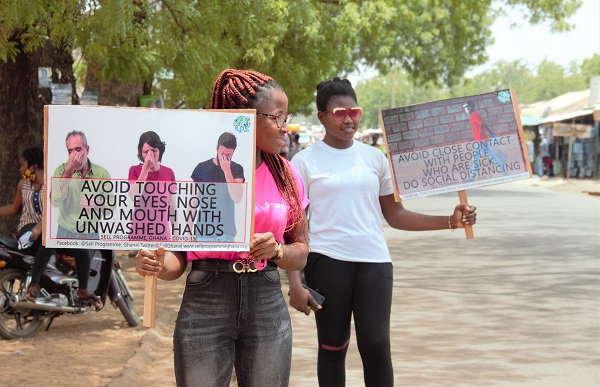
241 124
504 96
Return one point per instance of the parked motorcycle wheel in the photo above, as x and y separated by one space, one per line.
124 303
16 324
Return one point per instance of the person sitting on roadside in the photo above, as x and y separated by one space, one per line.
29 199
67 196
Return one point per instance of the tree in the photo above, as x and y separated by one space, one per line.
177 47
501 75
551 80
375 94
545 82
590 68
21 111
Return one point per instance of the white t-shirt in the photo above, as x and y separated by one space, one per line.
344 186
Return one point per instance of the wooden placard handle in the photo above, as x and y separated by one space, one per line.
150 301
462 195
150 296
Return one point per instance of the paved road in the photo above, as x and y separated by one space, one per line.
519 305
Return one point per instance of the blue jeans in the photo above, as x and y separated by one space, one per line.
229 319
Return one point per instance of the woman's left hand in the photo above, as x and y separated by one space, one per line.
463 214
263 246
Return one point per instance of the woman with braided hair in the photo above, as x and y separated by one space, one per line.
231 317
349 186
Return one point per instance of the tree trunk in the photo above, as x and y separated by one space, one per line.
22 113
113 93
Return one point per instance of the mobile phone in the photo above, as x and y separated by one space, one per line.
319 298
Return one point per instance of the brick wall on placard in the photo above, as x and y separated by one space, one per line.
438 123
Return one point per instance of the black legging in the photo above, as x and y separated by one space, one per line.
362 289
82 257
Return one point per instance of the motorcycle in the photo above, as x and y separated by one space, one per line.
21 318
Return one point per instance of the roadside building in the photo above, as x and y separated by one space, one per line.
565 133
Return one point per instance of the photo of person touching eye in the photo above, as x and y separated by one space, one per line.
150 169
221 169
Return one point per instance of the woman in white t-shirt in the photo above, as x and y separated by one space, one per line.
349 187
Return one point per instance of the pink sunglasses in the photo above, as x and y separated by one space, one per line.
339 114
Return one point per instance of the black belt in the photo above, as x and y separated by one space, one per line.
239 266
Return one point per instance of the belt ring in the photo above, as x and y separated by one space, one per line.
244 266
251 267
238 267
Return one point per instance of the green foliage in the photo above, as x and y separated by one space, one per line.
27 25
546 82
590 68
551 81
432 40
80 71
502 75
299 42
376 94
554 11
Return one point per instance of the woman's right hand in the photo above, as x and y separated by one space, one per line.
151 161
149 262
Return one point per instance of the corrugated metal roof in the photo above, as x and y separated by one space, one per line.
564 107
567 115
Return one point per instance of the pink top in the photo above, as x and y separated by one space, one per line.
270 213
160 217
163 174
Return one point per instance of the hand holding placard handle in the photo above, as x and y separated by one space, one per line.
462 195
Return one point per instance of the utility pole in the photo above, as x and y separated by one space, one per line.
393 104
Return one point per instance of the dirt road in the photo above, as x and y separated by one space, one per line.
100 349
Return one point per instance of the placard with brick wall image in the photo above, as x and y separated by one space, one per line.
455 144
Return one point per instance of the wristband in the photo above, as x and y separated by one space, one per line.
450 224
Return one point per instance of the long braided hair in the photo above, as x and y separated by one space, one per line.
243 89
